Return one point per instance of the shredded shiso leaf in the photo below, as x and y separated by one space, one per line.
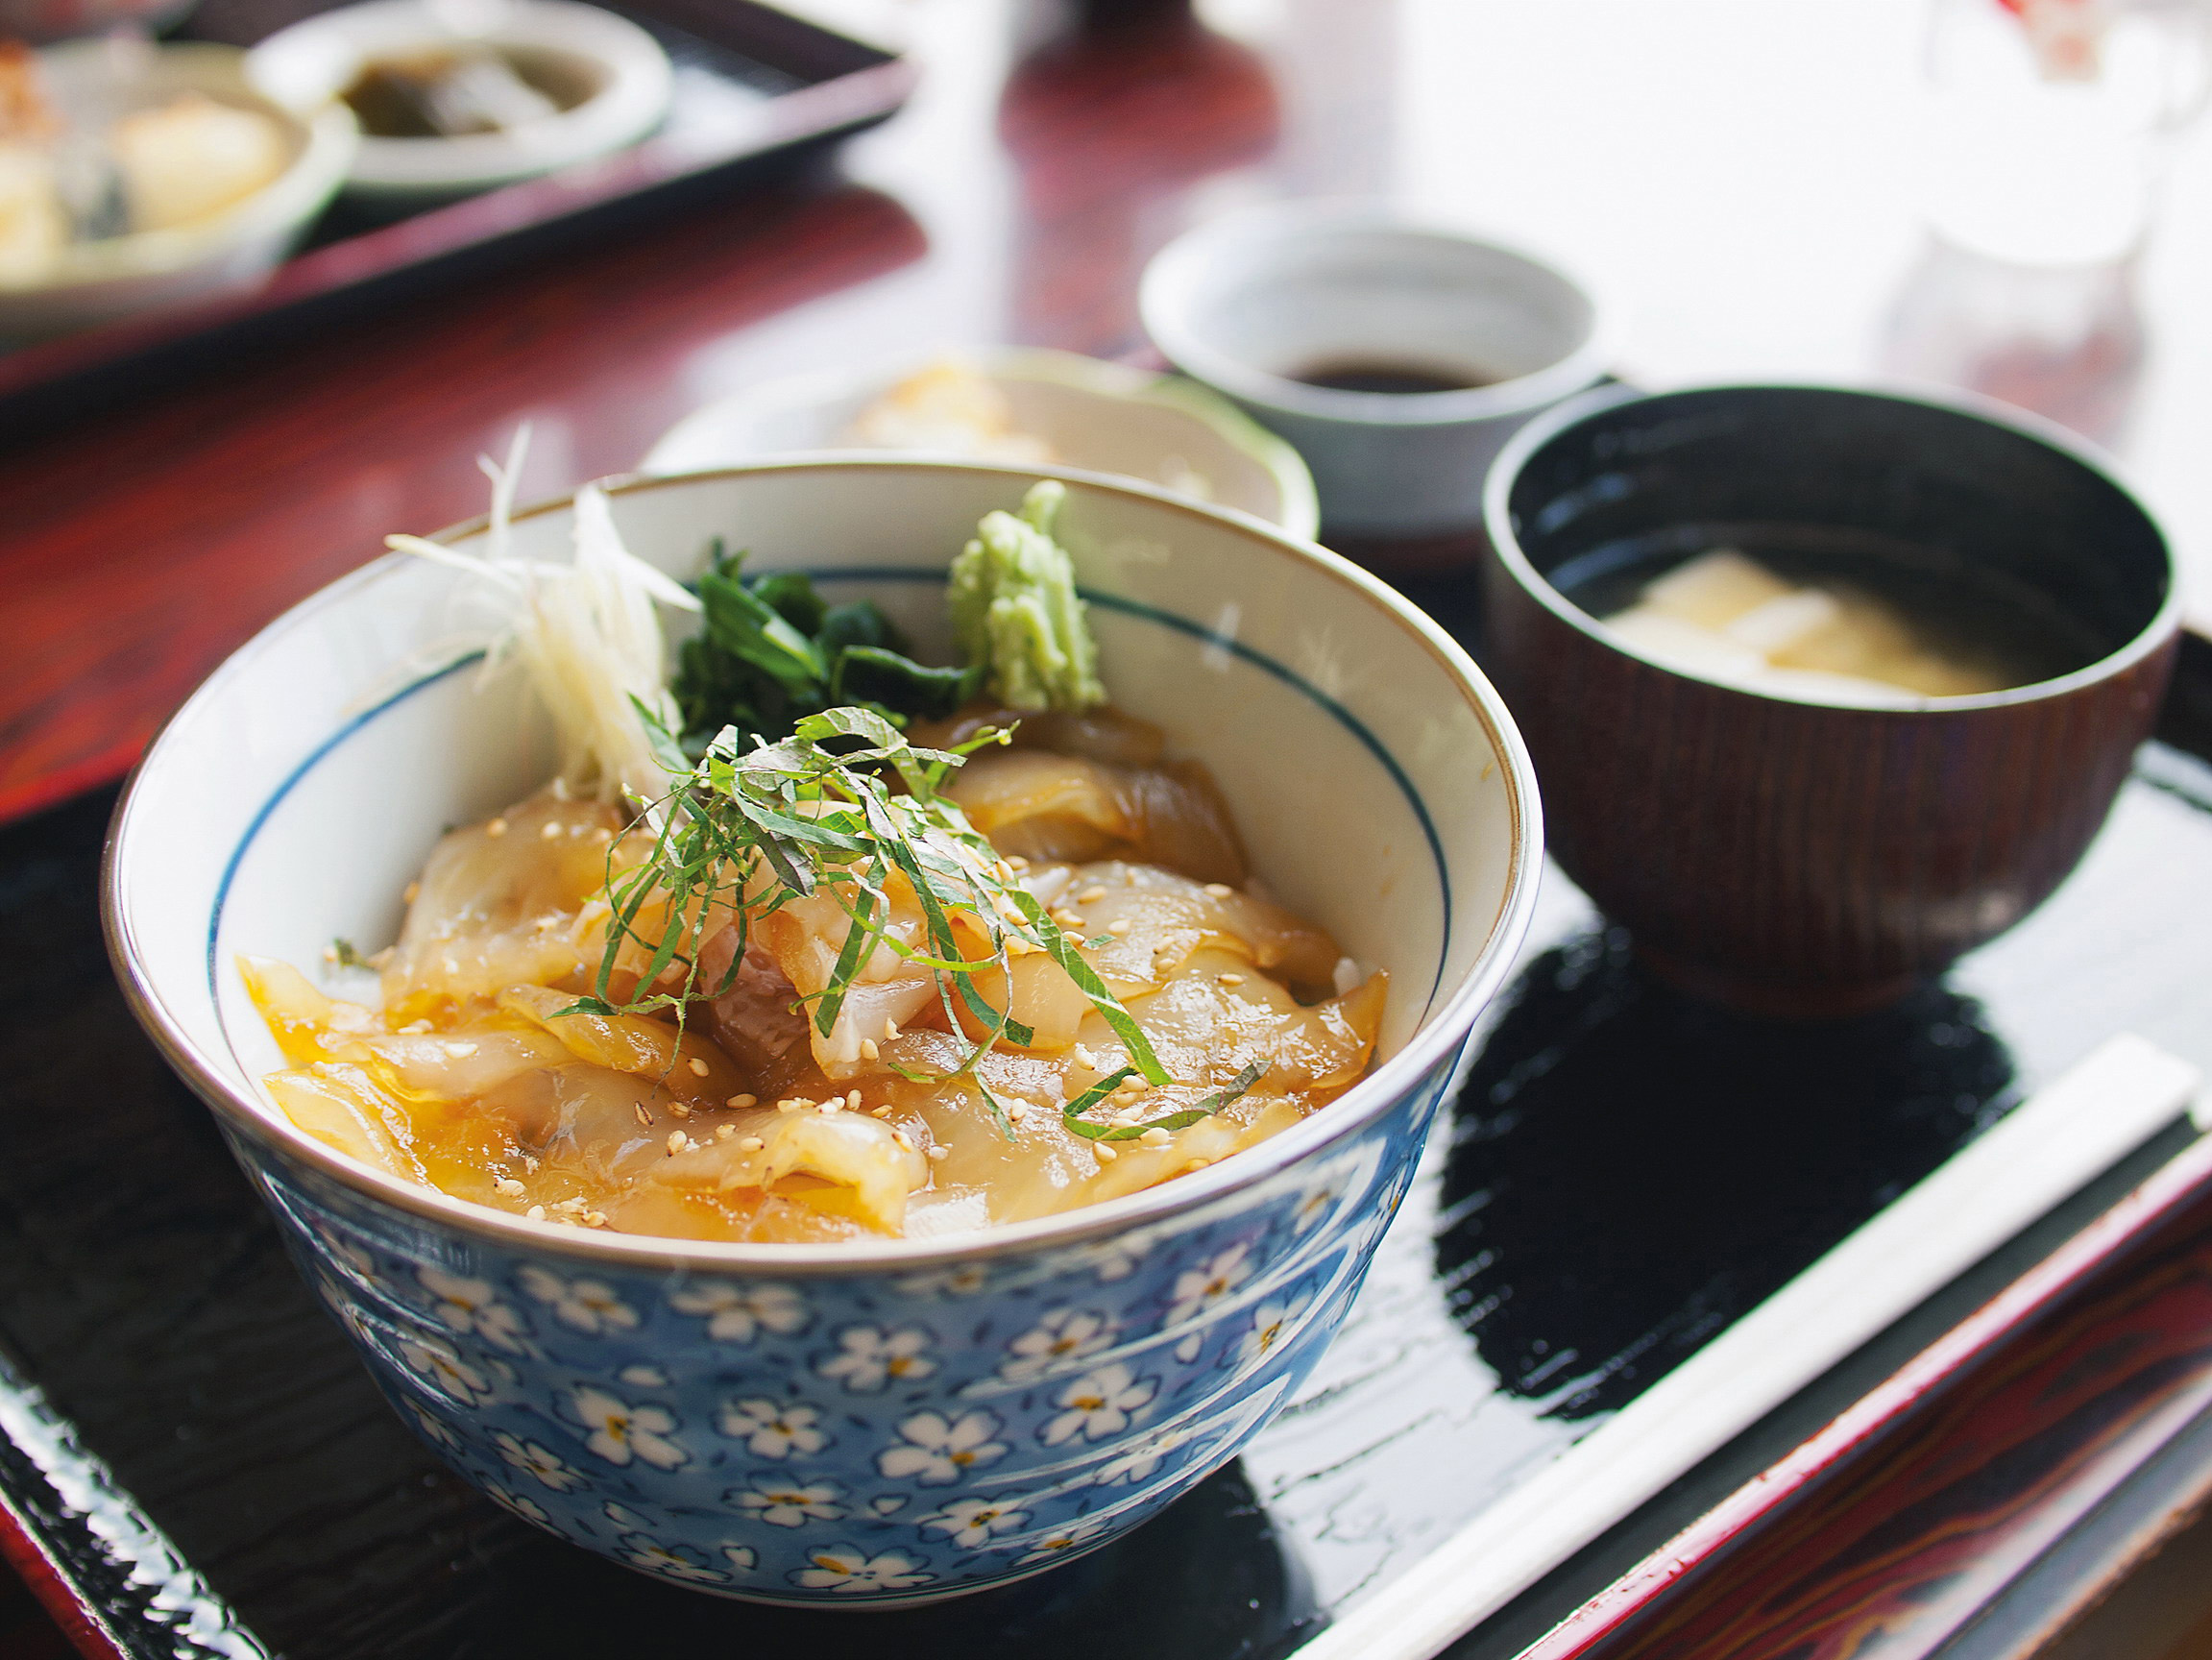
1013 594
743 833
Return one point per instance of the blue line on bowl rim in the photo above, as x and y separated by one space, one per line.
870 573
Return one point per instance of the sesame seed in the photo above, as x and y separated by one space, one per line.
1231 979
678 1141
938 1154
744 1100
835 1103
1091 895
413 893
461 1050
496 827
751 1144
1017 862
1155 1137
1220 889
723 1131
1119 926
594 1218
1067 919
536 1213
853 1099
643 1117
883 1111
1106 1152
550 831
1085 1057
575 1204
698 1067
789 1104
507 1186
891 1029
868 1049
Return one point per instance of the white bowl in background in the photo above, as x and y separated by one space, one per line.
1383 790
114 276
314 62
1101 417
1248 303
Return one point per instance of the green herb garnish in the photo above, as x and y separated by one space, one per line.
772 651
1072 1114
347 954
742 830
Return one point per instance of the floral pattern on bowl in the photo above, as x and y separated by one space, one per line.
847 1436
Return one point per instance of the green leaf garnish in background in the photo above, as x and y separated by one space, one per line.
771 652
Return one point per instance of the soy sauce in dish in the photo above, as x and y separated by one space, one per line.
1389 374
452 93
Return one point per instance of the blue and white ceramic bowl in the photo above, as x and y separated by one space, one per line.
848 1425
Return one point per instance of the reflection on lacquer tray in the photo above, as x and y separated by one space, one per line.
1630 1170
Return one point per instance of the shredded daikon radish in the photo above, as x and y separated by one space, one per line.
587 633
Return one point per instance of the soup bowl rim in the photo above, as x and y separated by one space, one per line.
1398 1079
1505 544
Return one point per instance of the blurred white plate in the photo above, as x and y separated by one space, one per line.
311 63
1101 417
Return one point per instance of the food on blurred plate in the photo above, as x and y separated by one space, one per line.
188 160
1724 616
451 93
816 941
164 166
952 410
33 225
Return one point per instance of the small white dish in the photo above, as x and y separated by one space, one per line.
313 63
1101 417
1248 303
112 276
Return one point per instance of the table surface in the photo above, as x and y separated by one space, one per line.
1734 175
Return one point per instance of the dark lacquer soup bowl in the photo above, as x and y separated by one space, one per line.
862 1422
1776 848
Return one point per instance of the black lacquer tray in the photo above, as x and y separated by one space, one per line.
195 1465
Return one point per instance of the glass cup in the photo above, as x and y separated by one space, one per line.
2048 121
